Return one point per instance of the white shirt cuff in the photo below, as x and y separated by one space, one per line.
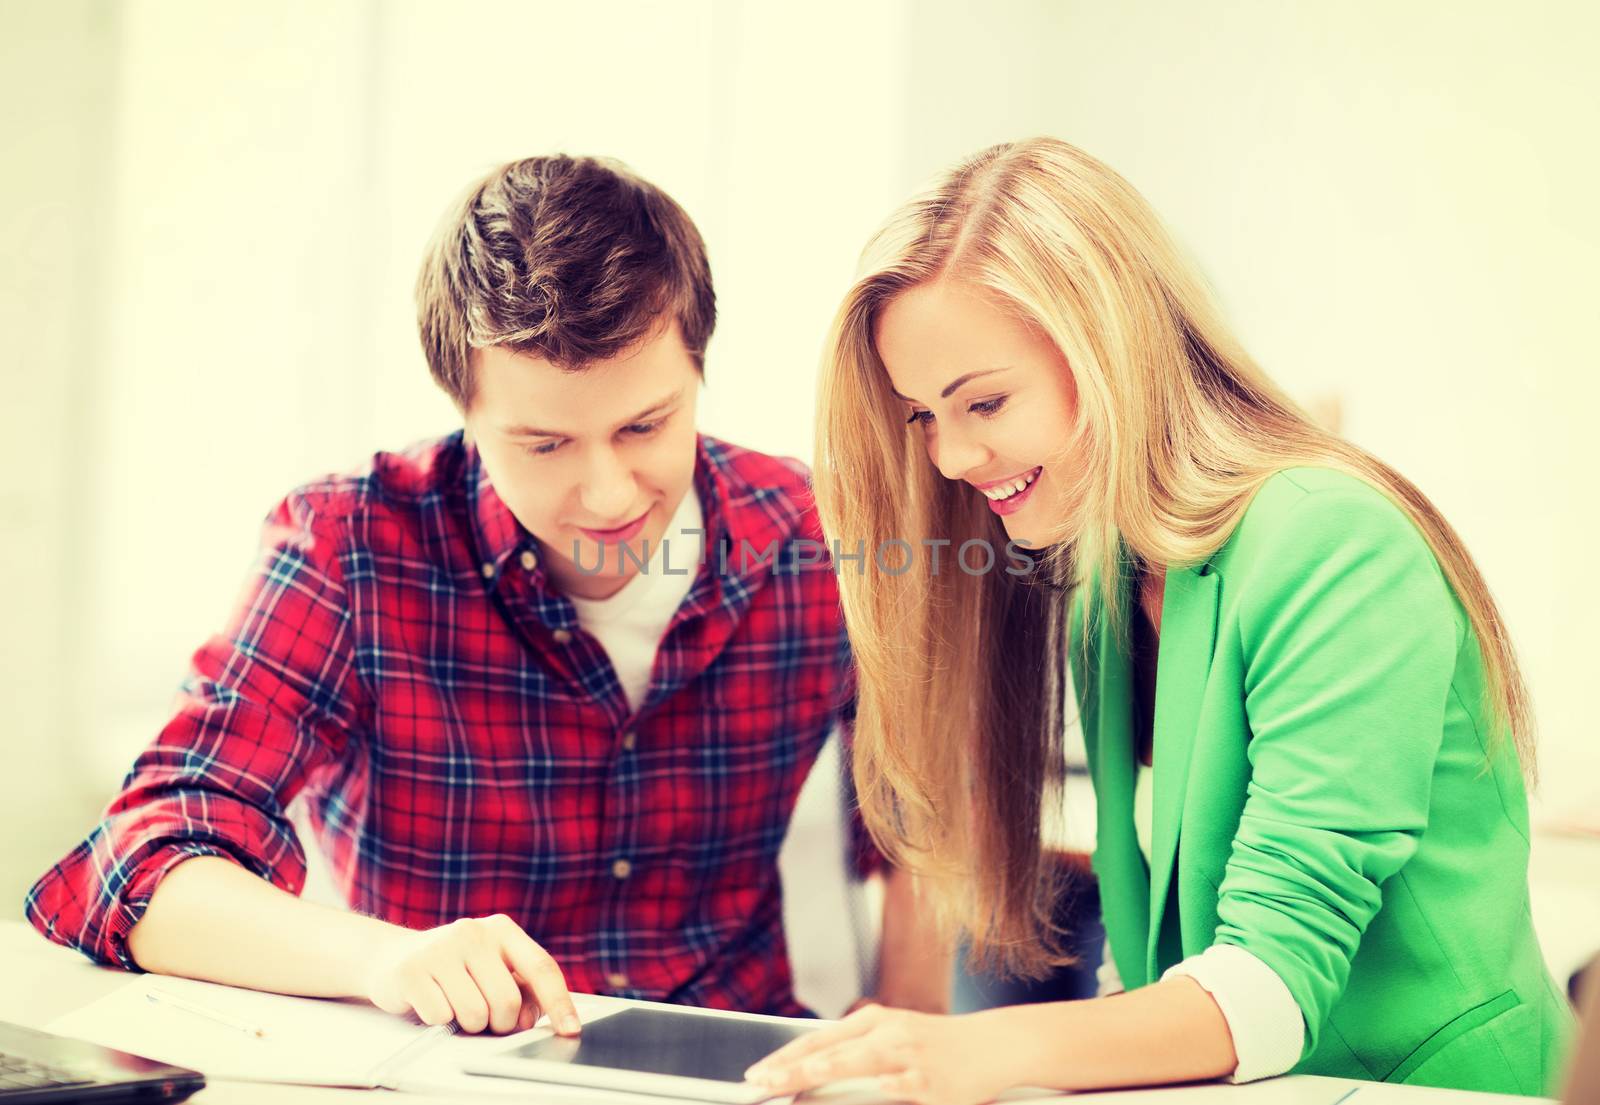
1267 1026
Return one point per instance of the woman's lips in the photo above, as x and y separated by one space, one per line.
1017 501
621 533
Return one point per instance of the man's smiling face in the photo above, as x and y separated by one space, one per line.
593 459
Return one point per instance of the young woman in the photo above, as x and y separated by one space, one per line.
1306 725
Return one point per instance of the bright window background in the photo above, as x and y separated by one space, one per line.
211 217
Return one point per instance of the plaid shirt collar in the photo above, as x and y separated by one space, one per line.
735 513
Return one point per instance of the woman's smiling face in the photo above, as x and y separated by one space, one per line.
992 396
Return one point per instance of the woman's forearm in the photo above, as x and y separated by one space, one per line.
915 958
211 919
1171 1031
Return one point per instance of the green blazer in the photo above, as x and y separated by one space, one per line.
1324 797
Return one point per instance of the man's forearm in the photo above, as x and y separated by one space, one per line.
211 919
915 959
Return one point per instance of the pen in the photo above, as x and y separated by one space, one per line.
159 997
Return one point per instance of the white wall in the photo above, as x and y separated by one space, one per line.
231 334
56 70
1394 202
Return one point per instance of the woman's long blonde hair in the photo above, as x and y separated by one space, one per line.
959 721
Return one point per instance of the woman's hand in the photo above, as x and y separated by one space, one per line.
481 972
921 1057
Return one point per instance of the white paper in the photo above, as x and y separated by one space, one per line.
310 1041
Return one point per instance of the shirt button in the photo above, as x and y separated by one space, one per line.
617 980
629 739
488 571
529 560
562 636
621 869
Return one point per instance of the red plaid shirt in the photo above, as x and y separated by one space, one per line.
401 664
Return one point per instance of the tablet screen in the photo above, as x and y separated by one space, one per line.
653 1041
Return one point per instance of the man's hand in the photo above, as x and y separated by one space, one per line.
481 972
211 919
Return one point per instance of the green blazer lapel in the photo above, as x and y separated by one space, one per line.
1108 739
1188 635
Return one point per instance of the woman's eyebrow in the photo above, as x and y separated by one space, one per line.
950 388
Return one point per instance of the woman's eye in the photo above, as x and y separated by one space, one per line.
983 408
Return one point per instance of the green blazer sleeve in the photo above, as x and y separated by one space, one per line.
1348 633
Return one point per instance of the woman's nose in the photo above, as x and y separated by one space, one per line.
955 454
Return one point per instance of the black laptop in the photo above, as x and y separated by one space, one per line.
36 1066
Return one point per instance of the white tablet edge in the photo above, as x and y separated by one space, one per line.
612 1078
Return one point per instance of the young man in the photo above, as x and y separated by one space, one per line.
549 723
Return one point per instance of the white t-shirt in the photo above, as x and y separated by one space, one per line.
630 624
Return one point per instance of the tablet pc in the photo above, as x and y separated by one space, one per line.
665 1050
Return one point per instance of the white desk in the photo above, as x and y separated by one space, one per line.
43 981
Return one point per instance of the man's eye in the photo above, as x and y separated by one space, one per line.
644 429
989 406
921 418
543 449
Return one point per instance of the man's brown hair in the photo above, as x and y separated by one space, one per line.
573 259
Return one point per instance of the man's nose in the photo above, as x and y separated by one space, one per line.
608 491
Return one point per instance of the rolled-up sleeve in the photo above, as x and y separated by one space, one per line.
265 704
1263 1018
1350 635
